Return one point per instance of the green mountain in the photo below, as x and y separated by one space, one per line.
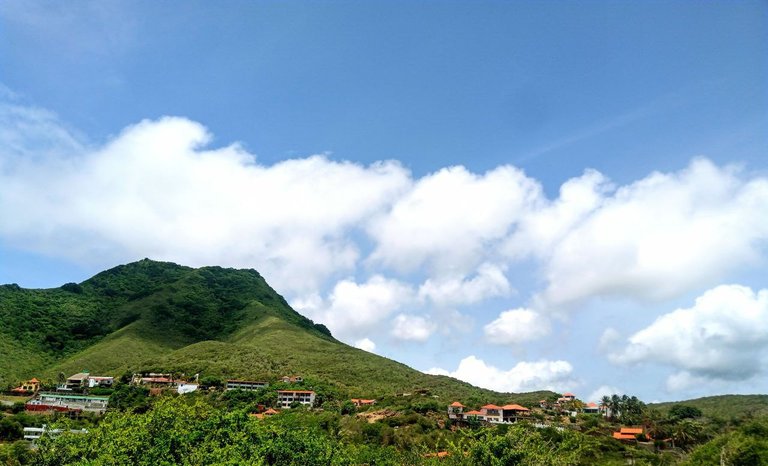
723 406
213 321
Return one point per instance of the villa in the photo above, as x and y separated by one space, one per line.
285 398
245 385
490 413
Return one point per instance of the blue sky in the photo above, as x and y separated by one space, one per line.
522 194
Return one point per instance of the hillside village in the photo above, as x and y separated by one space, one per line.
86 394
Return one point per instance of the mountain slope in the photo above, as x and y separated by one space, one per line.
223 322
723 406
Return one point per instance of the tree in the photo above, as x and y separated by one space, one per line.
680 411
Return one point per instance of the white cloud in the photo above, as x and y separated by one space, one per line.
724 336
517 326
352 309
548 222
524 376
450 220
412 328
658 237
455 291
604 390
153 191
366 344
609 339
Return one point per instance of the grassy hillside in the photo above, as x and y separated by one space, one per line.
723 406
213 321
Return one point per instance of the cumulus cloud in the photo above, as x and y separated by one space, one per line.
354 309
653 239
724 336
450 220
158 190
155 191
524 376
412 328
517 326
366 344
489 282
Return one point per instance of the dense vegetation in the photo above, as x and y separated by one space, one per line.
217 429
224 323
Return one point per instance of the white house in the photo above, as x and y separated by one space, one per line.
245 385
287 397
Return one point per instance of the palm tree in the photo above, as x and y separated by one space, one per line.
615 406
605 403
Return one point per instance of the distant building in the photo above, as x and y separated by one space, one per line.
292 379
591 408
456 410
99 381
489 413
154 380
628 433
285 398
76 381
86 380
492 413
72 401
361 402
30 386
34 433
245 385
184 388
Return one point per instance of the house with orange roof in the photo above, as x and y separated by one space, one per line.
292 379
591 408
510 413
456 410
628 433
361 402
479 415
492 413
30 386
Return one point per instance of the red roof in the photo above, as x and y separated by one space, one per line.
631 430
620 436
515 408
591 405
34 380
474 413
569 394
490 407
456 404
271 411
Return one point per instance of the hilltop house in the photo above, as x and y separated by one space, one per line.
184 388
245 385
154 380
361 402
456 410
30 386
292 379
489 413
628 433
287 397
70 401
86 380
76 381
591 408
